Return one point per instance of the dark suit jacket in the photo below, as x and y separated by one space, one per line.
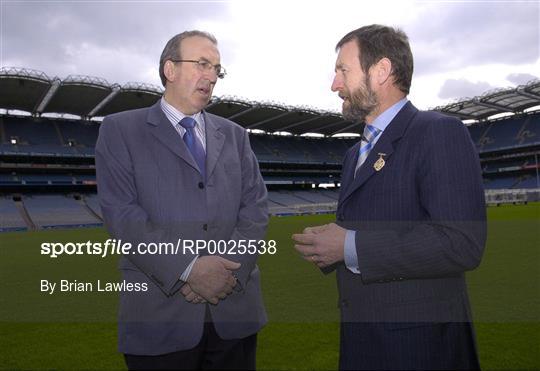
420 222
151 191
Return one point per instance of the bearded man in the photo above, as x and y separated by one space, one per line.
410 219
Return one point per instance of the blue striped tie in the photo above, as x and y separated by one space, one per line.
370 133
194 145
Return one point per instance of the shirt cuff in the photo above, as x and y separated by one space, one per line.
351 257
186 273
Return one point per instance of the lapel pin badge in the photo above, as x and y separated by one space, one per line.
379 164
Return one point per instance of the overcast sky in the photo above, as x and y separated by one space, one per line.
278 50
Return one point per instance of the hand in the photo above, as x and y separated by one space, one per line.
190 295
316 229
322 245
211 277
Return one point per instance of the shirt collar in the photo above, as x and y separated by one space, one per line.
384 119
175 115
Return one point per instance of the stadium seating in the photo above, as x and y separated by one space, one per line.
48 211
80 133
527 181
303 157
313 196
10 217
31 131
530 133
507 133
92 202
274 148
501 182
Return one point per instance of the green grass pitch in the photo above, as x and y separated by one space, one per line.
78 331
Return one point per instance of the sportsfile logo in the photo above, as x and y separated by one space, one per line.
195 247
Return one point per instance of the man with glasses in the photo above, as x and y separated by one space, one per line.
175 174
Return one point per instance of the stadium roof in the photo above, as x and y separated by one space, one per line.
34 92
510 100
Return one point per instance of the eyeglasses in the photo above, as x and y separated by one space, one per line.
203 65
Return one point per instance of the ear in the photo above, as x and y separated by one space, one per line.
169 70
383 70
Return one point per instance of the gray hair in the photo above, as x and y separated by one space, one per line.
172 49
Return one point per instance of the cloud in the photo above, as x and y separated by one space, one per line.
520 78
269 51
459 88
60 38
457 35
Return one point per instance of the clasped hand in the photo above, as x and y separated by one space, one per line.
322 245
210 280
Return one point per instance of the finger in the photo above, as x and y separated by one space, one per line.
229 264
226 287
315 259
305 239
304 249
231 281
315 229
186 289
191 296
213 300
222 295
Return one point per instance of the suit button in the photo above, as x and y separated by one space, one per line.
344 303
201 185
205 227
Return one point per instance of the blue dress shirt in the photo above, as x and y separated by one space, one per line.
381 122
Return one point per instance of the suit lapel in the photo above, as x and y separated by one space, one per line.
347 172
385 145
162 129
214 143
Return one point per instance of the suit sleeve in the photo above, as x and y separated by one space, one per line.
252 219
124 217
452 240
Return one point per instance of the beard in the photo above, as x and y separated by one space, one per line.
362 102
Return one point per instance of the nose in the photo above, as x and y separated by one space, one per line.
337 84
211 75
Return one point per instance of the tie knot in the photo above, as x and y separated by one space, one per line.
370 133
188 122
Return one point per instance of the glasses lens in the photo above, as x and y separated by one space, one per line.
204 65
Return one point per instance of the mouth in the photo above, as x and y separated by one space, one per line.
204 90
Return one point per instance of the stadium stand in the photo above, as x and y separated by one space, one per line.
506 134
92 202
47 172
85 134
10 218
48 211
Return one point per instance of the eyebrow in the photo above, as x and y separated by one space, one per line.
206 60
